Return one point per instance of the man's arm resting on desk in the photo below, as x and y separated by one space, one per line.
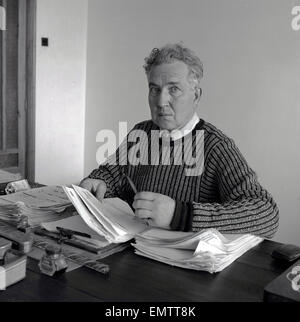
245 207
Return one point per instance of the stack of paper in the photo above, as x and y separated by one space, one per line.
111 218
6 177
207 250
9 213
38 205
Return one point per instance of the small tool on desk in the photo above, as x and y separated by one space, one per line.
68 237
70 233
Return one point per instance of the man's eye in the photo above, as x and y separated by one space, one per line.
154 91
174 89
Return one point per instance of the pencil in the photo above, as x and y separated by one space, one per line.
131 184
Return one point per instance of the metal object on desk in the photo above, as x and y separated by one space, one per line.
21 242
12 265
66 236
68 233
53 261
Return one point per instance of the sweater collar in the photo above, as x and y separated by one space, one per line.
181 132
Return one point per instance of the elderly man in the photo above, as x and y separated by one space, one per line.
223 193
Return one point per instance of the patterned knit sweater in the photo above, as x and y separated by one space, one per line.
224 195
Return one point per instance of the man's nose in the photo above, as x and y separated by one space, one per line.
163 99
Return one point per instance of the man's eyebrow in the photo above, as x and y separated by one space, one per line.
152 84
174 83
169 83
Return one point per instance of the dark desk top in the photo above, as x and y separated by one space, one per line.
135 278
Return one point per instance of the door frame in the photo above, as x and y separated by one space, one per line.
26 84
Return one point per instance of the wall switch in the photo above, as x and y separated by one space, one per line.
45 42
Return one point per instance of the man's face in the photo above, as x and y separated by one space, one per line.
172 96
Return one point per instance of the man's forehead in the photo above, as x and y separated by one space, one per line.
169 73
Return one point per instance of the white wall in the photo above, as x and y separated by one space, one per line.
251 82
60 91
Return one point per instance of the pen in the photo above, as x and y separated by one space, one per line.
73 241
69 233
132 185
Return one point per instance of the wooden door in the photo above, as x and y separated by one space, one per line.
16 90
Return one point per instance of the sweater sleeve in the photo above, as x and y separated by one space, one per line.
110 175
111 171
245 206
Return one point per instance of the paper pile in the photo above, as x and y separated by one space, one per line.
9 213
38 205
207 250
111 218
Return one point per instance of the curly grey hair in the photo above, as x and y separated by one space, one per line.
172 52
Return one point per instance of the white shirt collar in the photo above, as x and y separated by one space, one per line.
181 132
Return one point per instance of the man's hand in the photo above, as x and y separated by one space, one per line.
95 186
154 208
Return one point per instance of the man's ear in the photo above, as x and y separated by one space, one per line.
198 94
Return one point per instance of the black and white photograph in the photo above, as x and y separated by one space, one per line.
149 154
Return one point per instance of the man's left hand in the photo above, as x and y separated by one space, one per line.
156 209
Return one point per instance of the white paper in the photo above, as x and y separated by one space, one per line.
40 198
207 250
88 218
113 218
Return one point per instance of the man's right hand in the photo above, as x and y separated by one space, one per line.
95 186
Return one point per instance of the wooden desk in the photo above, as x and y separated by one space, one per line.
135 278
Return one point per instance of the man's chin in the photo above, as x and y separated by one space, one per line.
165 125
